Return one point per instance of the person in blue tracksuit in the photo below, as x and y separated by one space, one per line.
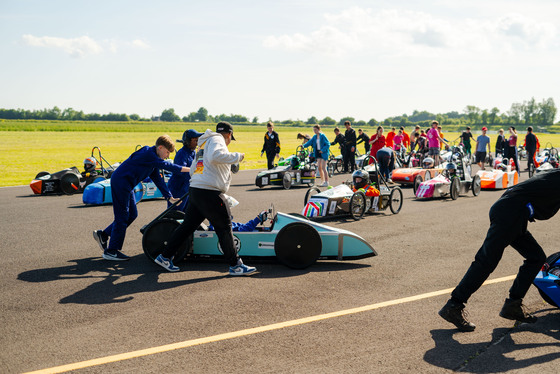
321 146
147 161
179 182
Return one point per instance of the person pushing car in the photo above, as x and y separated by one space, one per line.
533 199
147 161
210 180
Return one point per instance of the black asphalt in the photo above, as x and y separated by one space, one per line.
62 303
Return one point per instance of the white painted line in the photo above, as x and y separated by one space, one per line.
251 331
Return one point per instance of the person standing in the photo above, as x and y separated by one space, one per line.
389 138
386 160
530 145
271 145
321 147
406 138
363 138
433 142
210 180
512 147
500 143
178 183
534 199
466 137
482 141
377 142
349 147
145 162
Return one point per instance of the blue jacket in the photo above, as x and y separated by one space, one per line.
141 164
323 143
179 182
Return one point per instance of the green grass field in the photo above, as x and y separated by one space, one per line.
40 146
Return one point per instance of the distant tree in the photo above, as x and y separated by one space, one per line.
493 117
255 120
484 116
547 112
135 117
473 114
360 123
372 122
327 121
312 120
202 114
168 115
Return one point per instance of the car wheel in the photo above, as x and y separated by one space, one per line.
553 258
396 200
297 245
475 187
531 170
338 166
156 236
454 188
287 181
358 205
330 169
310 192
41 174
70 183
416 183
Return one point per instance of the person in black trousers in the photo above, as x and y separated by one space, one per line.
533 199
363 138
500 143
530 145
349 156
271 145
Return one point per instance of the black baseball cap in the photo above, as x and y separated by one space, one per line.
225 127
189 134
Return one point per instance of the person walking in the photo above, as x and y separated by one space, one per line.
530 146
482 141
178 183
210 180
534 199
349 148
321 146
271 145
466 137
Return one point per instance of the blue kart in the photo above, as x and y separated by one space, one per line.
547 280
291 239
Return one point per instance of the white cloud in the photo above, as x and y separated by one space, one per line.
403 32
76 47
140 44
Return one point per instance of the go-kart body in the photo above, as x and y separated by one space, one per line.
294 241
412 175
497 179
547 280
299 172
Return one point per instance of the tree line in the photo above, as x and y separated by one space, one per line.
540 115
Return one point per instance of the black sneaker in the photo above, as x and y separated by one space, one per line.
456 314
98 236
515 310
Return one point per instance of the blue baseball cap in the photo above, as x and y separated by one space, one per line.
189 134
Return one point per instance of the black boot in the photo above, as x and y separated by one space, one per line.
515 310
455 313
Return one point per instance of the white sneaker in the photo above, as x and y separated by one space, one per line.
324 184
241 269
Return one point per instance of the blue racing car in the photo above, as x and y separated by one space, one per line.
547 280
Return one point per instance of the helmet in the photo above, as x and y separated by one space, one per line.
428 163
294 162
360 179
90 164
501 166
451 168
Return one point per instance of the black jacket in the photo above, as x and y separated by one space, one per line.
531 142
340 140
500 143
271 143
350 138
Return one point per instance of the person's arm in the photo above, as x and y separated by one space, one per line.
308 143
264 145
277 145
155 176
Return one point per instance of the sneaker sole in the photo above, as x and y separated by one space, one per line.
243 274
111 258
98 240
166 268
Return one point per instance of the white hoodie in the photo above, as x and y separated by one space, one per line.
213 162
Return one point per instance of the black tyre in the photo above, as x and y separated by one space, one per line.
552 258
416 183
396 200
297 245
330 169
338 166
287 181
531 170
367 161
475 186
454 189
41 174
156 236
358 205
310 192
70 183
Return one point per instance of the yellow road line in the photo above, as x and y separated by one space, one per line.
251 331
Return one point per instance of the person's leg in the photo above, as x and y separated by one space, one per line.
270 160
534 257
352 160
345 160
322 163
220 216
124 209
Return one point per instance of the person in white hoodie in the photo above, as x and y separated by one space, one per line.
210 180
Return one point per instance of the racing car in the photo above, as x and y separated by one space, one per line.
502 176
416 175
547 280
294 241
71 180
367 193
300 172
546 160
455 180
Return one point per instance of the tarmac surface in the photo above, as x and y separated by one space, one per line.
61 303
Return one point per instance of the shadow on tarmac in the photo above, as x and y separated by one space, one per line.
111 289
498 355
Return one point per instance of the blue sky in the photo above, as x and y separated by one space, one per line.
278 59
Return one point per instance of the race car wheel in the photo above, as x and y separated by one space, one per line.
550 261
416 183
310 192
396 200
287 181
297 245
475 187
41 174
367 160
70 183
531 169
156 235
358 205
330 169
338 166
454 188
